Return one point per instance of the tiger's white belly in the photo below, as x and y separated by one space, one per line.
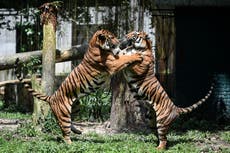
129 51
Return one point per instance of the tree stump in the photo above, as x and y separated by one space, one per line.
127 113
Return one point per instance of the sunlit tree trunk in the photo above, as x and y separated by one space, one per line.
128 113
48 62
49 21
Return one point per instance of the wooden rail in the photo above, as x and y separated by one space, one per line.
74 53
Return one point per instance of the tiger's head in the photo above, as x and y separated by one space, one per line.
138 42
135 41
106 41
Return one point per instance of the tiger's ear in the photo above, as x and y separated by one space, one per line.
101 37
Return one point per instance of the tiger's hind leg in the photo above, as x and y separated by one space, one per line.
65 125
62 112
164 118
161 133
75 111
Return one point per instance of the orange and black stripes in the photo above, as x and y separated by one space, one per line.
143 82
98 64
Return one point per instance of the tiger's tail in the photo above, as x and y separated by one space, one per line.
197 104
38 95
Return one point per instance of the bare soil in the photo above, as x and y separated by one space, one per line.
212 143
85 127
9 124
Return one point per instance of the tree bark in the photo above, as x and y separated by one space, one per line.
38 104
48 58
74 53
49 21
128 113
118 115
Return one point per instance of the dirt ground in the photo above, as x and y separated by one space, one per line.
10 124
213 143
85 127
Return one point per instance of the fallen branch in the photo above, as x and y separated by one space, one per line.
74 53
3 83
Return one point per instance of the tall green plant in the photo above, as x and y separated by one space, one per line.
96 106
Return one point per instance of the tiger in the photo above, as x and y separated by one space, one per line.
143 83
98 64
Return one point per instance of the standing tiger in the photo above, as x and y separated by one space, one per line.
98 64
143 82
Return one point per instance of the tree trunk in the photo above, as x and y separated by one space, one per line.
127 113
25 100
38 114
48 58
49 21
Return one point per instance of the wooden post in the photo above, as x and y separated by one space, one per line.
49 22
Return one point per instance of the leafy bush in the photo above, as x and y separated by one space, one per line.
27 129
50 125
96 106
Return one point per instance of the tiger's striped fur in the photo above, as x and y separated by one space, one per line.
98 64
142 80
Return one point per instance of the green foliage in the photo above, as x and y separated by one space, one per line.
1 104
30 67
29 30
96 106
13 115
225 135
27 129
50 125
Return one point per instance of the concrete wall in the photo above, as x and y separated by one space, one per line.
7 47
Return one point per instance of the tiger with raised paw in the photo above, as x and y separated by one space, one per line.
98 64
143 82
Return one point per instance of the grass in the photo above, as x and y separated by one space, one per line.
225 135
28 139
192 136
17 115
90 143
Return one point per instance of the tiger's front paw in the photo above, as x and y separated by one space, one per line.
138 57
